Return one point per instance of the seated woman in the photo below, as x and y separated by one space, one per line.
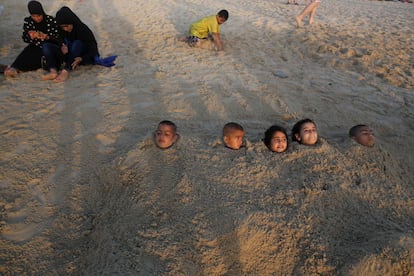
79 47
38 29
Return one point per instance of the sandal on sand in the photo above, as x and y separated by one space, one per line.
10 72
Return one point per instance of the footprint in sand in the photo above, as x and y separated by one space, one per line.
26 216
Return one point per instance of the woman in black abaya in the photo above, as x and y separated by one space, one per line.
38 28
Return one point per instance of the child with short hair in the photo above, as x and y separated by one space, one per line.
304 132
362 134
166 134
207 29
276 139
233 134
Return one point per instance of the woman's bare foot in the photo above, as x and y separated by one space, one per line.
62 76
10 72
50 76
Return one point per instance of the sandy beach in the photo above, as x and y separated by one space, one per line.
84 191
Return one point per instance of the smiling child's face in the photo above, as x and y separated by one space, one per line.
278 142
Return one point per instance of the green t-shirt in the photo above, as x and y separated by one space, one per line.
205 26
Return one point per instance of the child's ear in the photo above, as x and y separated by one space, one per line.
225 139
297 136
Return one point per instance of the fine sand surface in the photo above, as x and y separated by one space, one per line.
84 191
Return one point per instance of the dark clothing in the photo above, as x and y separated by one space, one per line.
30 58
80 32
53 56
35 7
80 42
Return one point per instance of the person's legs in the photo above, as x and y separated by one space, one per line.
192 41
29 59
308 9
312 13
76 49
53 57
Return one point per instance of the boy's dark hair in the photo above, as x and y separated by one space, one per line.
231 126
354 130
223 14
168 123
297 127
269 134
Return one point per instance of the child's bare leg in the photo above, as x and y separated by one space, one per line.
312 14
51 75
62 76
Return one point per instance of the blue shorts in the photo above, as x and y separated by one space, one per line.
192 40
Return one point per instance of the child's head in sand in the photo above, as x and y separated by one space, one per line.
304 132
363 135
233 135
276 139
166 134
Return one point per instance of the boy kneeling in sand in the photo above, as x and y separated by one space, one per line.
207 31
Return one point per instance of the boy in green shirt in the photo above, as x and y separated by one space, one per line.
208 28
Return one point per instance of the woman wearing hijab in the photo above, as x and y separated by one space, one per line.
38 28
79 47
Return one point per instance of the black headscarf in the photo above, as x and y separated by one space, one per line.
35 8
66 16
